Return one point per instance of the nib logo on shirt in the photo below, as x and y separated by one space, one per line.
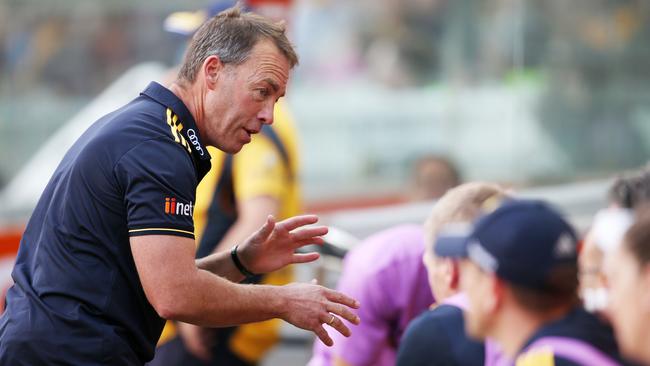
178 208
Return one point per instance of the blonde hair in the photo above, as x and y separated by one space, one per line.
461 204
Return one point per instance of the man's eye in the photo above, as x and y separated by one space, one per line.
263 92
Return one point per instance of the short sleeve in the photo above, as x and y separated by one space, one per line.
259 170
159 182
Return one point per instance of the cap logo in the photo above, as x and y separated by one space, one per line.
482 257
565 246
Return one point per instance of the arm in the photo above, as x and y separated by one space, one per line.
180 290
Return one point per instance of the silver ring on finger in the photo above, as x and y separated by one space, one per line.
331 320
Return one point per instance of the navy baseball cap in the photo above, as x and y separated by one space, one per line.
521 242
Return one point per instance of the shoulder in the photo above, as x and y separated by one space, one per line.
443 322
125 128
383 261
156 161
399 243
583 327
426 341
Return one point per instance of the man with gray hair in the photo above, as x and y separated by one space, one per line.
108 253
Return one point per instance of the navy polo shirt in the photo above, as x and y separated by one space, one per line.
437 338
77 297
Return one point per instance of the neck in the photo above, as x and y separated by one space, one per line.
516 325
445 294
191 98
644 347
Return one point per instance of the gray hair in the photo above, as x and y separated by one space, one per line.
231 35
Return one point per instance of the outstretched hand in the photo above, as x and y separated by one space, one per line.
310 307
273 246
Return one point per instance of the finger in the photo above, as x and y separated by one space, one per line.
344 312
341 298
310 232
305 257
298 221
323 336
338 324
263 233
311 241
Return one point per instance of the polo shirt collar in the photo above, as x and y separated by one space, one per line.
165 97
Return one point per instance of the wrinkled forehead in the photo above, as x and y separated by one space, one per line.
266 60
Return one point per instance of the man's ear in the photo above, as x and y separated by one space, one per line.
453 270
498 289
212 68
644 277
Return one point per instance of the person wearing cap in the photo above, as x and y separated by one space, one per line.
628 274
437 337
108 253
233 199
519 271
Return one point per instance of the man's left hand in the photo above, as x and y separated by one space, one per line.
273 246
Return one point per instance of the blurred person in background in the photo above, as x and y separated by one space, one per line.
387 274
108 253
628 192
234 199
438 337
628 275
519 271
433 176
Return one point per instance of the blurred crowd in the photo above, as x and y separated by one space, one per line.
583 59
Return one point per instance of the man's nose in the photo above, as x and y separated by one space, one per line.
266 113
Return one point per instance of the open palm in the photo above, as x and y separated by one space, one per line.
273 246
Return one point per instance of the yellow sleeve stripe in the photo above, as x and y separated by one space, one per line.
175 129
161 229
171 125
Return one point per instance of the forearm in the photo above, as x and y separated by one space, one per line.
220 264
253 213
208 300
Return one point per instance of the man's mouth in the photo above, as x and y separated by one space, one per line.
251 131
